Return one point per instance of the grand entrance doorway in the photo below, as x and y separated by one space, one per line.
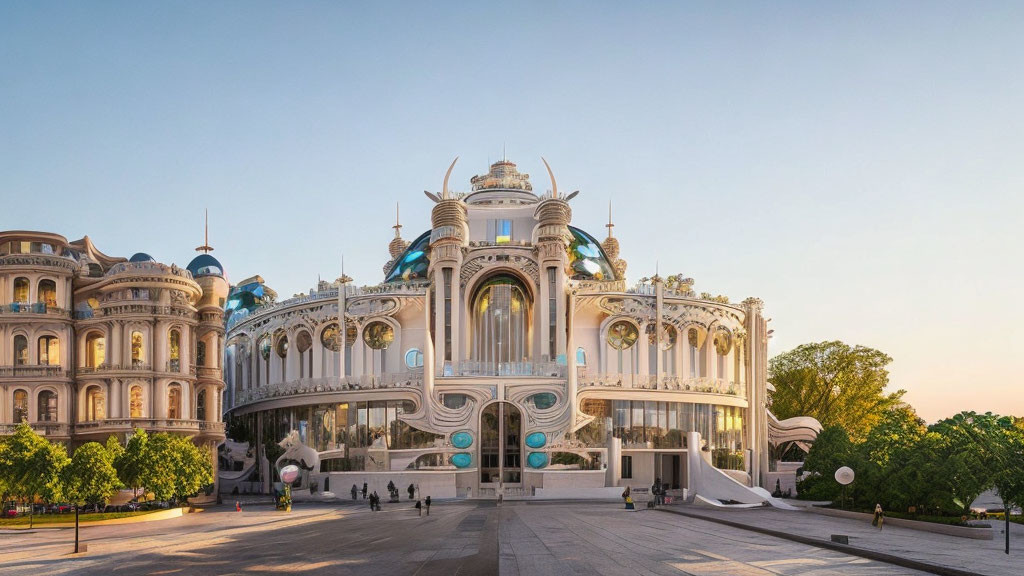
501 449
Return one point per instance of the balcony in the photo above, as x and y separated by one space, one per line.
209 373
49 429
114 368
36 308
121 424
212 428
511 369
410 379
33 371
666 383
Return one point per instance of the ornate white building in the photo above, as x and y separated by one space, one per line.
503 351
93 346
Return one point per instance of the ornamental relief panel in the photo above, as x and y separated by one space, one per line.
524 264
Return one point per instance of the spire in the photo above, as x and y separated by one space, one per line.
206 248
398 223
609 225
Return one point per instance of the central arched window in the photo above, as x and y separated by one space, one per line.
95 350
95 404
175 346
47 293
47 406
21 290
135 402
303 345
138 350
20 350
501 321
49 350
174 401
20 406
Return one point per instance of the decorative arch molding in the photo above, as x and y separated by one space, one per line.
478 268
440 419
550 420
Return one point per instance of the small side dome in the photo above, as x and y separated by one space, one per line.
205 265
141 257
413 263
587 258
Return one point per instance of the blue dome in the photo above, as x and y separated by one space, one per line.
205 265
141 257
413 263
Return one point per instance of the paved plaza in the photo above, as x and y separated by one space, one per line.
466 538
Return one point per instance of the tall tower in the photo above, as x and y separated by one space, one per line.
450 233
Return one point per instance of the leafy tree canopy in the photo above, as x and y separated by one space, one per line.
90 478
838 384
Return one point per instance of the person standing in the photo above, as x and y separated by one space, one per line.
419 508
879 517
427 502
412 491
355 492
364 490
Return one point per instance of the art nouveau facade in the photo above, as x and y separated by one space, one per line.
93 346
502 351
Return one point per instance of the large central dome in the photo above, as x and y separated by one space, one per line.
502 181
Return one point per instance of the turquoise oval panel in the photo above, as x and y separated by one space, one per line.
536 440
462 460
462 440
537 459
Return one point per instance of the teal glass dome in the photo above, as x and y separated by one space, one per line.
587 259
205 265
413 263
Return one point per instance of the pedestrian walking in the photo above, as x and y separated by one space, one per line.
364 490
355 492
419 508
238 506
412 491
879 517
427 502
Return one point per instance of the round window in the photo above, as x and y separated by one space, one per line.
622 335
329 338
414 358
378 335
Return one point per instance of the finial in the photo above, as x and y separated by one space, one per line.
609 225
444 187
206 248
398 223
554 185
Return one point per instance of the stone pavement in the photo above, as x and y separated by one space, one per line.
465 538
978 556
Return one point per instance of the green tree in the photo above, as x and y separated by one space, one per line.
90 478
132 462
193 470
114 448
968 457
831 450
1009 478
887 448
838 384
33 466
159 466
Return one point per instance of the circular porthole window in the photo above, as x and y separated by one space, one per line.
414 358
378 335
622 335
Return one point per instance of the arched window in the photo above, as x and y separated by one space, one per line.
135 402
200 353
49 350
138 350
581 357
174 401
175 349
304 344
723 343
95 350
20 406
201 405
20 350
263 366
691 340
501 322
95 404
47 406
622 335
21 290
47 293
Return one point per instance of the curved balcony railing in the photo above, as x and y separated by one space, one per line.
43 428
524 369
666 383
411 379
114 368
34 370
33 308
147 423
211 427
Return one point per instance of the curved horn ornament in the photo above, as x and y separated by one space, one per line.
444 187
554 185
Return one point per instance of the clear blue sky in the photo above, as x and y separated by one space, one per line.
859 166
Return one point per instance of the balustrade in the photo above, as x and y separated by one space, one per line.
667 383
410 379
32 370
